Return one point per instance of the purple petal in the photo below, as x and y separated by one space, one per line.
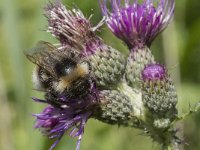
56 142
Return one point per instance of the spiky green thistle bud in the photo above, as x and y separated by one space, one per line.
116 108
108 66
158 92
137 60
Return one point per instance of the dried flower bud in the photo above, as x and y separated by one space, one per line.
70 27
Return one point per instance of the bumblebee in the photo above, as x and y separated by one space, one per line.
60 71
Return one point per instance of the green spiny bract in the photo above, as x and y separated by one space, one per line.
108 66
116 108
159 96
137 60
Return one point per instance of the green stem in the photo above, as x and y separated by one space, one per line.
168 140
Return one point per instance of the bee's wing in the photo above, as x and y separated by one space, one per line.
41 55
46 55
39 52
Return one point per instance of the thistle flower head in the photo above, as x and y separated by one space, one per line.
70 27
138 23
62 115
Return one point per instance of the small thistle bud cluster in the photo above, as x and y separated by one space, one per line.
137 24
135 91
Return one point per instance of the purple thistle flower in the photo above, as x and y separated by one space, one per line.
135 23
63 114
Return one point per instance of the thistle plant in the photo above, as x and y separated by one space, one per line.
134 91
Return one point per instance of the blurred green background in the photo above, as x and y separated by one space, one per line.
21 26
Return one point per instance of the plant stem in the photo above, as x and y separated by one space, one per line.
169 141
